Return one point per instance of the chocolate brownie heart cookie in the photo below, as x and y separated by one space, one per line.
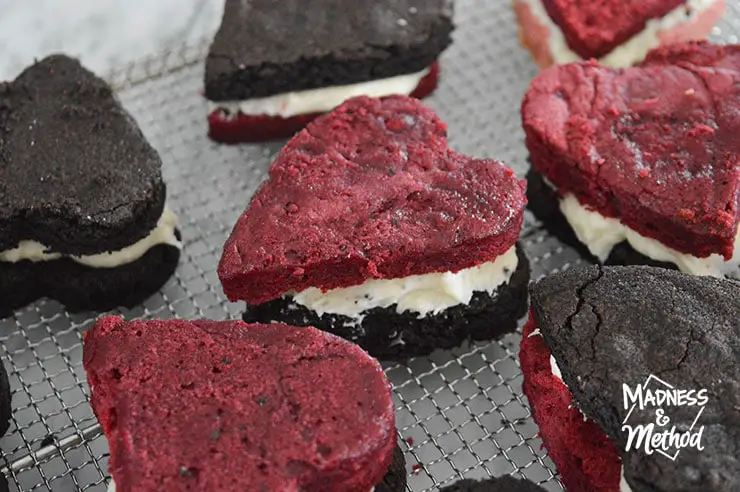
275 66
82 201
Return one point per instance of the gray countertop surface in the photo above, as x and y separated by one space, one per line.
104 34
109 34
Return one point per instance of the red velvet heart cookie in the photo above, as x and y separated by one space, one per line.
646 156
617 32
371 227
206 405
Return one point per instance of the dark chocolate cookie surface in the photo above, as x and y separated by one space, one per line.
614 326
266 47
76 173
395 479
5 400
83 288
503 484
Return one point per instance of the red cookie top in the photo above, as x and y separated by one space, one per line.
657 146
229 406
593 28
370 190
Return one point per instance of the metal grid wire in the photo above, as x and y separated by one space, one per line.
459 413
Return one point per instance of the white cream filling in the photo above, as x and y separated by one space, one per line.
425 294
600 234
319 100
631 51
555 369
163 233
623 485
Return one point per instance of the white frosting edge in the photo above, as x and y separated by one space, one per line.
425 294
631 51
163 233
319 100
601 234
623 485
555 369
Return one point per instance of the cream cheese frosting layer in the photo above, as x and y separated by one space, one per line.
319 100
631 51
163 233
426 294
601 234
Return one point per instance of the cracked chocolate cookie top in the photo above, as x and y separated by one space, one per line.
614 326
76 173
206 405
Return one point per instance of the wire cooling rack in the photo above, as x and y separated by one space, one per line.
459 413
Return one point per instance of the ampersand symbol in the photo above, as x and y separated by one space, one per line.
661 419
